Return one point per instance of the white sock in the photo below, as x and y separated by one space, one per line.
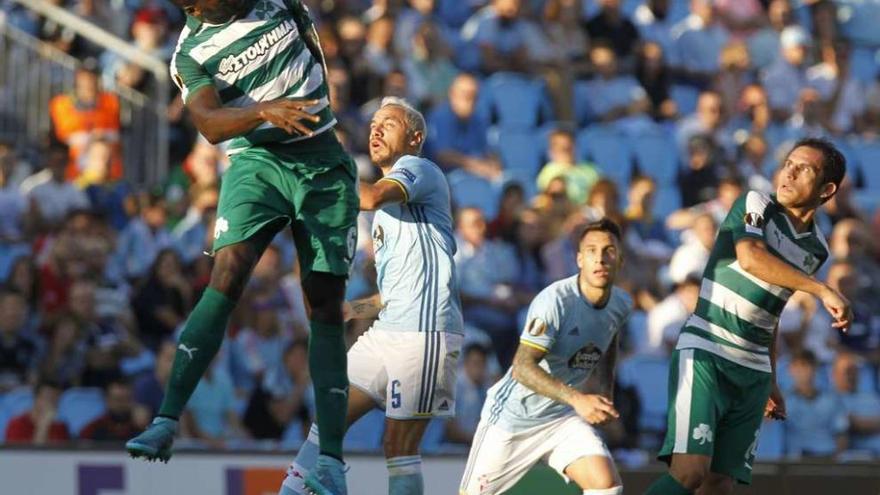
304 462
617 490
405 475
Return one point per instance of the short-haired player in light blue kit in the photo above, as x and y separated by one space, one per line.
539 411
406 362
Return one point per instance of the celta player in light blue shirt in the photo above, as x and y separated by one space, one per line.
540 410
405 364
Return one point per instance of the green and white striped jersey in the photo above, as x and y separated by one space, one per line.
736 312
259 57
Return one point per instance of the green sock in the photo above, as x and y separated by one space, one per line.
199 343
327 365
667 485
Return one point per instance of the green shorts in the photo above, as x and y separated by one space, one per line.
310 186
715 409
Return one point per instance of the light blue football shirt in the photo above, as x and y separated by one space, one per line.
414 247
575 335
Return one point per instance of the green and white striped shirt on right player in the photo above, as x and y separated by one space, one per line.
258 57
736 312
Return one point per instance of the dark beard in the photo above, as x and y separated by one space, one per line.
227 10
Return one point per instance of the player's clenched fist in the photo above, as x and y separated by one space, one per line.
595 409
289 114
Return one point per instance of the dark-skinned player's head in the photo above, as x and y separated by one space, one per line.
214 11
397 129
811 174
599 253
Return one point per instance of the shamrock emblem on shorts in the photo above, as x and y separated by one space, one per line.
703 433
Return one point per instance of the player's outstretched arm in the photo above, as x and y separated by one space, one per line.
383 192
595 409
218 123
753 257
366 308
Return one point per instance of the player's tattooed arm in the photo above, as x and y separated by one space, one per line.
528 372
359 309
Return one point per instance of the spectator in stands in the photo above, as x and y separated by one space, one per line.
15 212
861 405
840 206
645 234
698 182
194 233
470 393
733 76
65 359
85 114
428 67
707 121
352 35
764 43
149 388
698 41
162 302
652 20
12 167
604 202
567 42
816 421
559 254
257 347
40 425
798 329
458 132
510 206
810 117
838 89
612 27
612 96
666 318
113 198
729 189
503 37
108 329
740 17
23 280
753 156
283 396
530 236
149 33
863 335
851 240
410 20
18 350
49 192
753 114
786 77
579 175
378 51
122 419
690 259
554 206
210 415
656 79
486 273
143 238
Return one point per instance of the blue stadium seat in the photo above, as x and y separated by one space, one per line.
657 156
685 97
292 438
771 443
608 149
666 200
637 331
867 200
79 406
583 115
469 190
432 441
366 434
520 150
868 156
517 101
14 403
649 375
864 63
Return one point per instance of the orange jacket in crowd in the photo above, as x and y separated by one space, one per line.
76 126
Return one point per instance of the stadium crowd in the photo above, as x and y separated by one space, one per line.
545 114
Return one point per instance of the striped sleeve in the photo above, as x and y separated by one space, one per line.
747 216
188 75
416 176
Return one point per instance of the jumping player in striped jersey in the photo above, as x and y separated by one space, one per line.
405 363
252 73
539 410
722 377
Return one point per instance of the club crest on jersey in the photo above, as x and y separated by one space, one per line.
235 63
586 358
536 327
